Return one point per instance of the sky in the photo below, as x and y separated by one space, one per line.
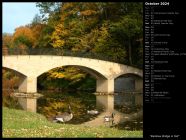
17 14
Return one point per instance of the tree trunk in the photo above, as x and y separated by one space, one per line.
130 52
105 11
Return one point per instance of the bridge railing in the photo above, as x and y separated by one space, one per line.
59 52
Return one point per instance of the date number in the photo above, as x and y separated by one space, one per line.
164 3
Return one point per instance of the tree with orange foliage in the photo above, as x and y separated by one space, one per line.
7 40
23 36
36 31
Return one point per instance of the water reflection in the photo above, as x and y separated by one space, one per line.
132 125
53 102
125 103
130 104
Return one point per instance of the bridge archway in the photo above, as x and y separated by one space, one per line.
20 77
90 71
100 78
17 72
135 82
18 84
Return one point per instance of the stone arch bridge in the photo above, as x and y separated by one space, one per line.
105 72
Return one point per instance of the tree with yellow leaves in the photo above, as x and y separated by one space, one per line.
59 35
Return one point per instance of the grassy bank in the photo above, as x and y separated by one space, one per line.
18 123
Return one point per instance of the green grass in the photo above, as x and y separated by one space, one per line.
18 123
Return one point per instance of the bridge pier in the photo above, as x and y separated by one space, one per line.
28 101
104 94
28 88
105 102
28 104
139 84
139 88
105 85
29 85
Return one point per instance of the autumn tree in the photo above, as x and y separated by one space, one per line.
48 9
23 38
50 17
6 42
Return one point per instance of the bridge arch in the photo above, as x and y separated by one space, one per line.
94 73
128 70
129 74
137 81
16 73
15 70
